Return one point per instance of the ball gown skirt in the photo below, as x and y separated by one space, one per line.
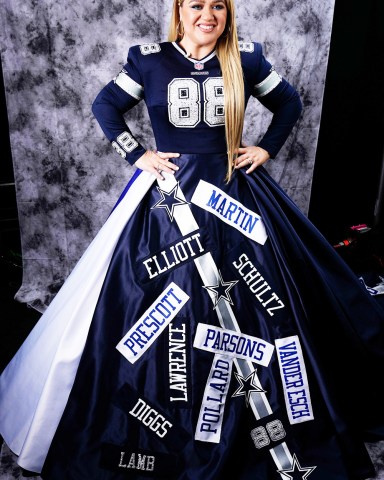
209 326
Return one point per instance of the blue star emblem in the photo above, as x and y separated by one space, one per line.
169 200
221 290
247 386
298 472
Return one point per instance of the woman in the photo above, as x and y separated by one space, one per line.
217 329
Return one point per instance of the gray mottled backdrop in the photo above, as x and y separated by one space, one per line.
57 55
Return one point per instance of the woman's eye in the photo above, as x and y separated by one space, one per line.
215 7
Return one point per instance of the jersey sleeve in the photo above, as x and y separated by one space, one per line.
114 101
277 95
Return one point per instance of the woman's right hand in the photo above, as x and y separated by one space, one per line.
157 162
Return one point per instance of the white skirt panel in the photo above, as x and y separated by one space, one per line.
35 385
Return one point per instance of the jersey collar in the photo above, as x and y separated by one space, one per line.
193 60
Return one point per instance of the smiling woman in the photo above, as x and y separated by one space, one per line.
202 23
209 327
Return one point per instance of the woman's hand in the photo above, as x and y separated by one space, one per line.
157 162
251 157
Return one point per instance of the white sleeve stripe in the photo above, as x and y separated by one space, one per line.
129 85
267 85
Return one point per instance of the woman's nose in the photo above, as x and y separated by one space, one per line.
207 13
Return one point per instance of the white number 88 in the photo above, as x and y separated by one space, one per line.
184 104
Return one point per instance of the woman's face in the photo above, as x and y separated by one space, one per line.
203 20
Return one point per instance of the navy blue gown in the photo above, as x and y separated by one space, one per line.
228 335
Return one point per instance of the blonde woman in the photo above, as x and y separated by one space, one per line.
209 331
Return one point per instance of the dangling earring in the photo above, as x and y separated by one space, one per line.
180 29
226 32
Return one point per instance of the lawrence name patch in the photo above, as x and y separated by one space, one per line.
152 323
230 211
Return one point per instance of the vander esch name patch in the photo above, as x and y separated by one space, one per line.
295 381
152 323
230 211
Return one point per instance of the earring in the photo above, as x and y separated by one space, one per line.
180 29
226 33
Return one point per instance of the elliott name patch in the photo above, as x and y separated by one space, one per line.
152 323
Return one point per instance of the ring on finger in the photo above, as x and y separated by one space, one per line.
250 161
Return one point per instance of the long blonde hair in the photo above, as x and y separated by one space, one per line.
227 51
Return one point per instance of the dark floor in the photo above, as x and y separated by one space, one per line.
17 319
362 248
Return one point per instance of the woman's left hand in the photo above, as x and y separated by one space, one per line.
251 157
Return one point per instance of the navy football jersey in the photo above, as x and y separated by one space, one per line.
185 100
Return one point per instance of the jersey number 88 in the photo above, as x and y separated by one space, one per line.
184 104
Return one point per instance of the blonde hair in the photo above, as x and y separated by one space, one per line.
228 54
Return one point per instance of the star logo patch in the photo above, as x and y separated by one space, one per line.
247 386
221 290
298 472
169 200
